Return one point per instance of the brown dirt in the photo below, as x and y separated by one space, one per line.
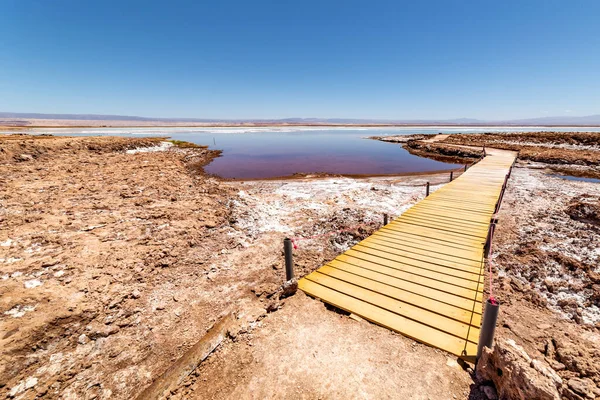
531 145
545 274
570 153
113 264
107 238
440 152
307 351
556 138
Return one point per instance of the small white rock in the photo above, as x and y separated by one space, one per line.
452 363
18 311
20 388
30 382
83 339
32 283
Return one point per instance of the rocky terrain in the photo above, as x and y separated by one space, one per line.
117 255
574 153
101 250
545 270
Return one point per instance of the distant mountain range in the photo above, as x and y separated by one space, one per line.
16 118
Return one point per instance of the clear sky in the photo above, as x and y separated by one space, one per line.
275 59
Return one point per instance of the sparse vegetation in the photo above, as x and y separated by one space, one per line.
186 145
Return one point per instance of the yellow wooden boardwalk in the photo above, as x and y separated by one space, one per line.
422 274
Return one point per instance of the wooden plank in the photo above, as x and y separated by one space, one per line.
445 266
446 225
425 317
396 240
451 208
390 320
451 284
422 274
455 232
442 303
414 237
418 267
434 233
450 216
441 255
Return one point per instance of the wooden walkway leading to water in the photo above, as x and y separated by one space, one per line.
422 274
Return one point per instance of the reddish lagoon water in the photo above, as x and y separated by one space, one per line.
275 152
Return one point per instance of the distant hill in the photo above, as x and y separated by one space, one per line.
587 120
24 119
93 117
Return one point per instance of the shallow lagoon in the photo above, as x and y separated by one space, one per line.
284 151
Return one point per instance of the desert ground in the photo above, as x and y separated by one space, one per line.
117 255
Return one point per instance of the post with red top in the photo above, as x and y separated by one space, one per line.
488 327
289 259
427 190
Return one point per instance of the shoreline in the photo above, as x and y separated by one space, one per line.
317 176
258 125
571 153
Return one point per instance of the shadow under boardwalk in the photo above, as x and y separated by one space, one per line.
422 275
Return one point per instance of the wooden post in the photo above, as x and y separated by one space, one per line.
427 190
289 259
451 175
385 219
488 243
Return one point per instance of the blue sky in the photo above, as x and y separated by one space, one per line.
257 59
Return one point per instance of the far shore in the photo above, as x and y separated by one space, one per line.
58 124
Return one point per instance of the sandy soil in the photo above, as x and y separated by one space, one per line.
113 262
307 351
102 255
546 263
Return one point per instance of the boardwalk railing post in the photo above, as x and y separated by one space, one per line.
488 243
488 327
289 259
385 219
451 175
502 192
427 190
